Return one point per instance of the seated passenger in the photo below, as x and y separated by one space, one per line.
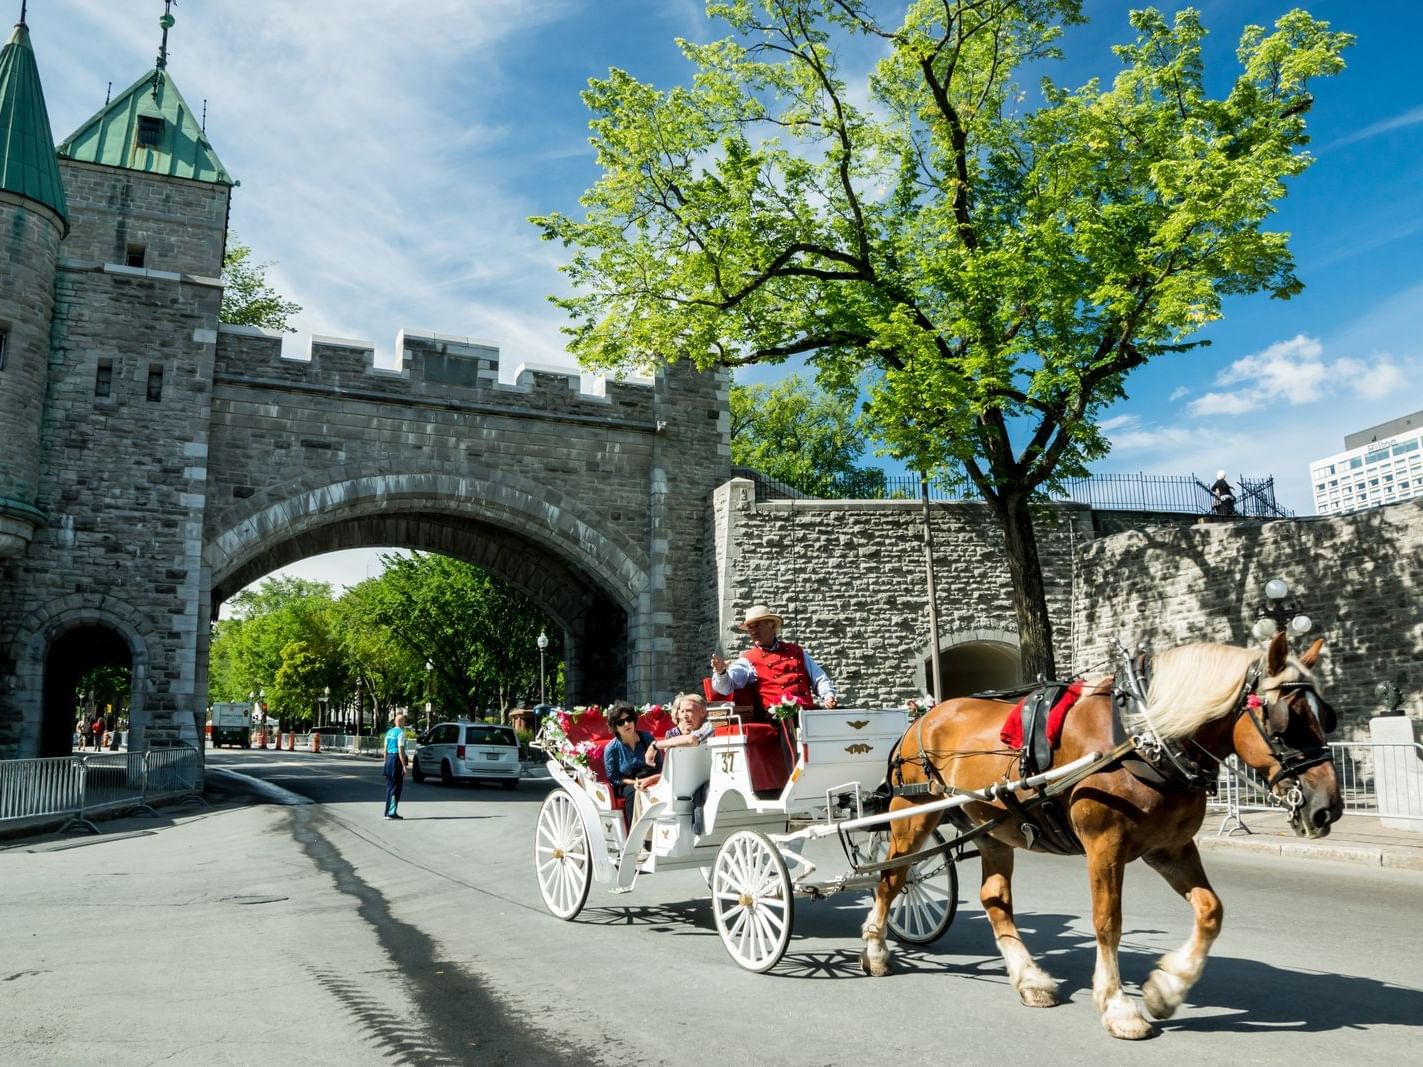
630 760
690 711
773 668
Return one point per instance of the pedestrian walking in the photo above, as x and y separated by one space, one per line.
396 764
98 732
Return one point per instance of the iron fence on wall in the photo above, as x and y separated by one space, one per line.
1173 493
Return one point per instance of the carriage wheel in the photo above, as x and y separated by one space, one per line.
561 858
752 900
927 904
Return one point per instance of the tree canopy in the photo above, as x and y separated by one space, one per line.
296 642
996 266
806 437
247 299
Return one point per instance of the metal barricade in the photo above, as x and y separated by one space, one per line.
81 786
1356 767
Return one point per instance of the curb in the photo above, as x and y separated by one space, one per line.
1410 859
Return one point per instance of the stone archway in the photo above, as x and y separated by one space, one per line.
974 661
60 643
587 581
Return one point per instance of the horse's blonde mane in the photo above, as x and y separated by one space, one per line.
1192 685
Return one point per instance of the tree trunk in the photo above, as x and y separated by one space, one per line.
1026 573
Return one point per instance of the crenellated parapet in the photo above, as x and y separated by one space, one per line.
436 369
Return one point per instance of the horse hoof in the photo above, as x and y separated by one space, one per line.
1161 995
1131 1028
1134 1030
873 968
1038 998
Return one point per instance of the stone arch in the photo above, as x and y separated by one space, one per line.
590 578
120 625
972 661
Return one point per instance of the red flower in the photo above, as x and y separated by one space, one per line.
1253 701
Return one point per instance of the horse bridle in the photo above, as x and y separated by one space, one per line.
1274 719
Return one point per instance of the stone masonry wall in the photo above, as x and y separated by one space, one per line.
1358 577
602 489
31 244
849 577
123 485
181 224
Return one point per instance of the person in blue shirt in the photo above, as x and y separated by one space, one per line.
396 764
629 758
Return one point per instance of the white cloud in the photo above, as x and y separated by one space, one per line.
1411 117
1179 392
1294 373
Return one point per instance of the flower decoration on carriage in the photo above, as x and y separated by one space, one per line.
917 706
1253 702
786 709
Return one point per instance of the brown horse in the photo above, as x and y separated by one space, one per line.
1205 702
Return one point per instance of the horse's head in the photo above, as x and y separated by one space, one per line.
1281 733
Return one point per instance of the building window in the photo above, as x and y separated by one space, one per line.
155 383
150 131
104 378
134 256
4 345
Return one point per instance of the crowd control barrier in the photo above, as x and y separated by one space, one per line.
76 788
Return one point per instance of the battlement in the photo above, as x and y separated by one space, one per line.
432 367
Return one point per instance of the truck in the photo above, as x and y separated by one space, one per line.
232 724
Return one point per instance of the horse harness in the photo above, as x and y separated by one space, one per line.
1041 817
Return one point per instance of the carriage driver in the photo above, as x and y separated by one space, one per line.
773 668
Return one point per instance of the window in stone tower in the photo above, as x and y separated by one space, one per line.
4 345
150 131
155 383
134 255
104 378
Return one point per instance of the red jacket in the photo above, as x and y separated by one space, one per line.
780 672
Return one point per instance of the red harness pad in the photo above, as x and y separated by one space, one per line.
1012 732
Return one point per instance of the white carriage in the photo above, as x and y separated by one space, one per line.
741 806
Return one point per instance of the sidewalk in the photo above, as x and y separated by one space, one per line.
1353 839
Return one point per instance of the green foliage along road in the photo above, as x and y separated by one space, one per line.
295 641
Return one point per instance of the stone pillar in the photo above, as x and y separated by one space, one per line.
1398 772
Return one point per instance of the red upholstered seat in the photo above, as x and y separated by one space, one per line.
767 755
656 722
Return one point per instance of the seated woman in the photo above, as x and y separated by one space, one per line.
629 758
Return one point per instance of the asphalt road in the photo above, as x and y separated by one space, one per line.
321 933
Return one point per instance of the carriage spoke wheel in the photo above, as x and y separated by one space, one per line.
926 906
561 858
752 900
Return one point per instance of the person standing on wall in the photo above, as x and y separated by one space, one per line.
1224 505
396 764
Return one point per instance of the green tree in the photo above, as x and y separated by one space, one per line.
999 269
478 635
806 437
280 639
247 299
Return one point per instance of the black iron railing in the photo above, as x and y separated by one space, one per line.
1177 493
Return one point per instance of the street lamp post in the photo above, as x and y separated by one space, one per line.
543 646
1279 612
429 678
325 706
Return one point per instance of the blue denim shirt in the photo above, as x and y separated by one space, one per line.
622 762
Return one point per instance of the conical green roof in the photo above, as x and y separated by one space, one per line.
148 127
27 162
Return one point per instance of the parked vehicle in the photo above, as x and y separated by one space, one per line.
232 724
468 752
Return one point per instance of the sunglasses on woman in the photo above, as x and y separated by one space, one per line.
624 722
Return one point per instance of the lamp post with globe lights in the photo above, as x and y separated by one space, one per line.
429 700
543 647
1279 612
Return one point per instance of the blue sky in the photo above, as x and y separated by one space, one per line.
390 152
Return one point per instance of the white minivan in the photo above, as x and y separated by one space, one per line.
468 752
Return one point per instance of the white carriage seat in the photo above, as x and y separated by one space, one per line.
684 771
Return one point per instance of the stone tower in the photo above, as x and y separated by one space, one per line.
33 219
106 446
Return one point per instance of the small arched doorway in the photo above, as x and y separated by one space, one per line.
975 662
73 658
